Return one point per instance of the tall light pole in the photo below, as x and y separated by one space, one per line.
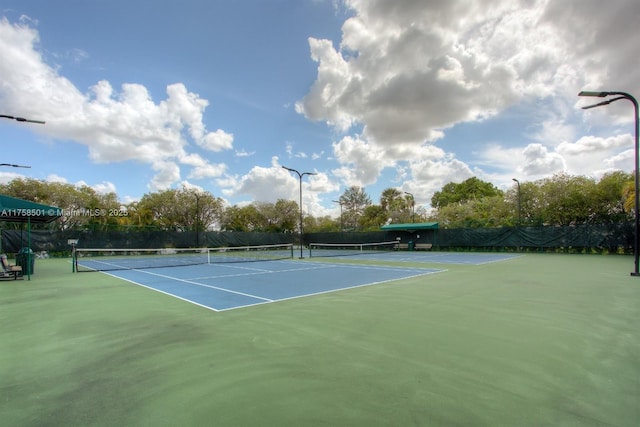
300 175
618 96
413 207
340 203
519 214
519 202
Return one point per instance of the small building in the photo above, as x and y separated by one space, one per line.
415 235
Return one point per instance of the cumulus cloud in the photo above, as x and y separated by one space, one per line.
269 184
539 161
407 71
362 161
115 125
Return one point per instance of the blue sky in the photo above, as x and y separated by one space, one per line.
412 94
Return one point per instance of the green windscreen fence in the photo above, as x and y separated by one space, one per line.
57 241
599 237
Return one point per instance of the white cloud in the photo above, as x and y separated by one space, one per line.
104 187
539 161
115 126
407 71
244 153
362 161
167 174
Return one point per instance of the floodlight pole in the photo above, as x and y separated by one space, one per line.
618 96
413 207
519 213
519 202
300 175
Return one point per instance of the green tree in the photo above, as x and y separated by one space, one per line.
611 196
281 217
246 218
373 218
472 188
183 209
567 199
398 206
82 205
320 224
354 201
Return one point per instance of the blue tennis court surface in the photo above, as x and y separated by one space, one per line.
227 286
434 257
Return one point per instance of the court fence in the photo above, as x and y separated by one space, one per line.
56 242
593 238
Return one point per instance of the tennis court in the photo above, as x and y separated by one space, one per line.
538 340
429 257
245 276
233 285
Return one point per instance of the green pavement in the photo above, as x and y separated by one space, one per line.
540 340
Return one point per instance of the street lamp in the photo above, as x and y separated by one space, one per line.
618 96
519 214
519 202
413 207
21 119
14 166
340 203
300 175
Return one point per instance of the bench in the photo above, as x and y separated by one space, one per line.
423 246
9 271
417 246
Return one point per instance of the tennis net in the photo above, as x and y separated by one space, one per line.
138 259
346 249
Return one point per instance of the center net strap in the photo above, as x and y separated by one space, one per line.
93 259
346 249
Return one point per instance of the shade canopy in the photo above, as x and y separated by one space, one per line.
411 226
19 210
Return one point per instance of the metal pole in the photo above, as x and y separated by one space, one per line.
519 214
624 95
300 175
519 203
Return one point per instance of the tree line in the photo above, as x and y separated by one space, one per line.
559 200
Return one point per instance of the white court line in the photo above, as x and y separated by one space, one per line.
262 300
204 285
254 273
336 290
311 266
167 293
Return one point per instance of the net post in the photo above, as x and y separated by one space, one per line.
74 257
291 247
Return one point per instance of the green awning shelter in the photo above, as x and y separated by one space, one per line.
23 211
19 210
410 227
